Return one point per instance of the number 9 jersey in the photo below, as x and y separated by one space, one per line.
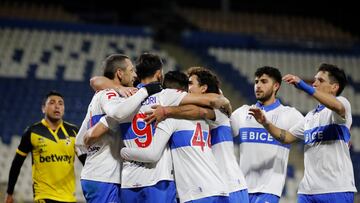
135 133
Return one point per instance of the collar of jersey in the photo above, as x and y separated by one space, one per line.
319 108
268 107
43 121
140 85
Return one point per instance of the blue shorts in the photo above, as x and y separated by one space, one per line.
336 197
263 197
98 192
163 191
212 199
239 196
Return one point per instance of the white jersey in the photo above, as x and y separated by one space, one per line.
197 174
103 161
223 149
263 159
135 133
328 166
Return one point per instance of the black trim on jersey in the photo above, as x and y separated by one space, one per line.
43 131
61 134
14 172
71 129
82 158
25 143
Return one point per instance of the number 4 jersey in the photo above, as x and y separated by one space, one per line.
135 133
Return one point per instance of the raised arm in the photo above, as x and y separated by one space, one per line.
324 98
280 135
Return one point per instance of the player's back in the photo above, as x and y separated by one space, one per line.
196 171
135 133
103 162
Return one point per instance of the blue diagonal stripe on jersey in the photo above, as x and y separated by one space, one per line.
183 138
95 119
258 135
221 134
128 133
326 133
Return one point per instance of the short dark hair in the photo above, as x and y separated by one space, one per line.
51 93
147 64
112 63
272 72
206 77
176 80
336 75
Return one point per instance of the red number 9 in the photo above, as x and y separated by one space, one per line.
146 131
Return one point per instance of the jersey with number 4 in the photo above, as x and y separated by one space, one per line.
196 171
135 133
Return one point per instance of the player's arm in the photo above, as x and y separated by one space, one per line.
189 111
80 147
120 109
20 156
98 83
324 98
209 100
93 134
280 135
153 152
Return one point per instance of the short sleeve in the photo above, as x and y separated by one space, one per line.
336 118
234 122
298 129
25 145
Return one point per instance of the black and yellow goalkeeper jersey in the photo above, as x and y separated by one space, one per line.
53 155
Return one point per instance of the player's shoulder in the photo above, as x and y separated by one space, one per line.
171 91
33 126
343 100
70 127
288 108
241 109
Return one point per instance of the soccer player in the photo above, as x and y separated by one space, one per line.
52 145
152 182
328 175
204 81
263 159
197 176
101 174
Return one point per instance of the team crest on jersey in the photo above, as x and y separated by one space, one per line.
67 141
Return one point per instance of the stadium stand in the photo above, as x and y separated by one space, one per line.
40 56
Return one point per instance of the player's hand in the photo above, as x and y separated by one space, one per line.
291 79
158 114
223 104
126 91
258 114
9 198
